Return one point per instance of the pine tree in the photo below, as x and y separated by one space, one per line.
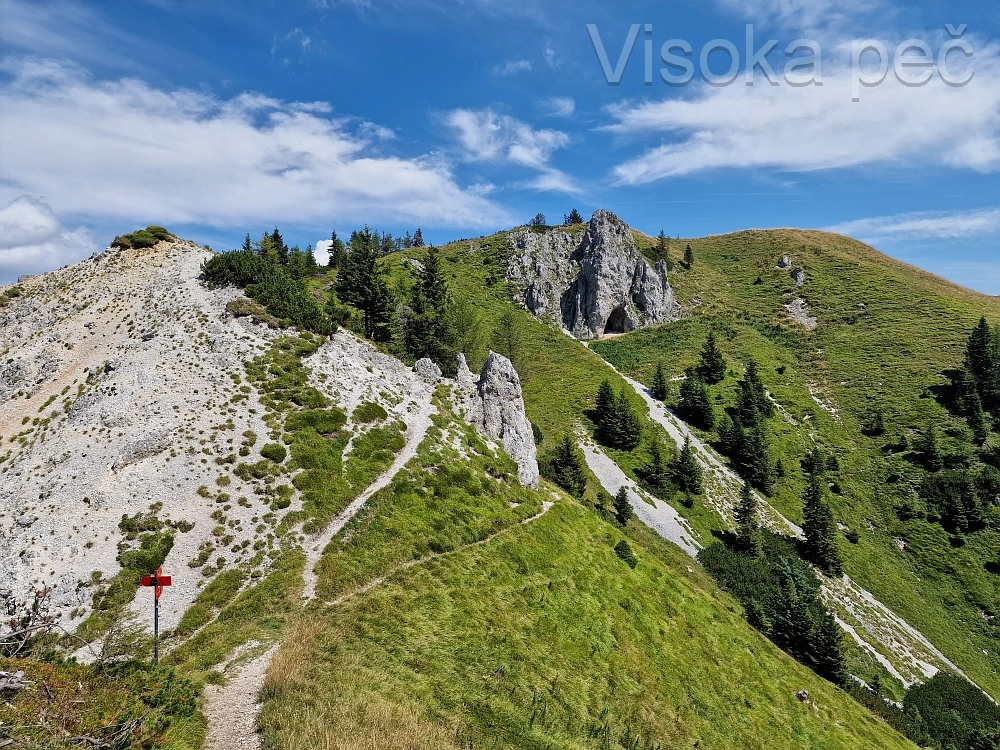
656 473
687 472
965 388
247 244
660 387
418 238
628 423
623 508
604 402
574 218
688 257
977 421
711 365
754 460
361 282
928 449
752 402
337 251
280 248
424 324
693 404
407 240
564 466
747 530
792 620
820 530
311 265
826 648
663 248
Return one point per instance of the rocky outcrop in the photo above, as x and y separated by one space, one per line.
798 276
784 263
426 369
591 285
495 405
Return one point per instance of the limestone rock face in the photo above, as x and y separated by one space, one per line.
495 405
597 284
426 369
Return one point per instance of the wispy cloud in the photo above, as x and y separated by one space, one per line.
807 15
558 106
817 128
32 239
488 137
512 67
127 151
924 225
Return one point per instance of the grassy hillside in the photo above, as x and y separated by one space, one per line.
540 637
886 337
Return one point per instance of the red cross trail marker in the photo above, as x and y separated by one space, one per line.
157 581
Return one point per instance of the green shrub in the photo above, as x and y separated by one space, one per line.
369 411
324 421
274 451
624 550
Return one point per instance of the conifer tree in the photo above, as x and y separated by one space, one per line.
296 263
660 387
977 421
623 508
604 402
418 238
747 529
752 402
754 460
280 248
826 648
820 530
687 472
965 388
663 248
311 265
693 404
564 466
688 257
247 244
425 324
656 473
508 340
711 365
361 282
337 251
574 218
928 449
628 423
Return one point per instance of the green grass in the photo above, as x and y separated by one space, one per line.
442 501
544 638
887 334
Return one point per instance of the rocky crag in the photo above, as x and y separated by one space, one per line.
495 406
592 285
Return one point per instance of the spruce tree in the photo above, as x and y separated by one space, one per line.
826 647
656 473
928 449
711 365
336 252
663 248
418 238
687 472
574 218
660 387
280 248
604 402
754 460
627 423
977 421
751 397
311 265
296 263
247 244
623 508
820 530
361 282
565 467
747 531
688 257
965 388
693 404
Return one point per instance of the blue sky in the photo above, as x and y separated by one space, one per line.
466 116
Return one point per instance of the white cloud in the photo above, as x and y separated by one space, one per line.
512 67
924 225
126 151
551 58
486 136
322 252
33 240
558 106
818 128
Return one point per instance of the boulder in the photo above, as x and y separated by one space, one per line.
494 404
784 263
798 277
426 369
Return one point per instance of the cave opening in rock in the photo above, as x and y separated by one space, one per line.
617 321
